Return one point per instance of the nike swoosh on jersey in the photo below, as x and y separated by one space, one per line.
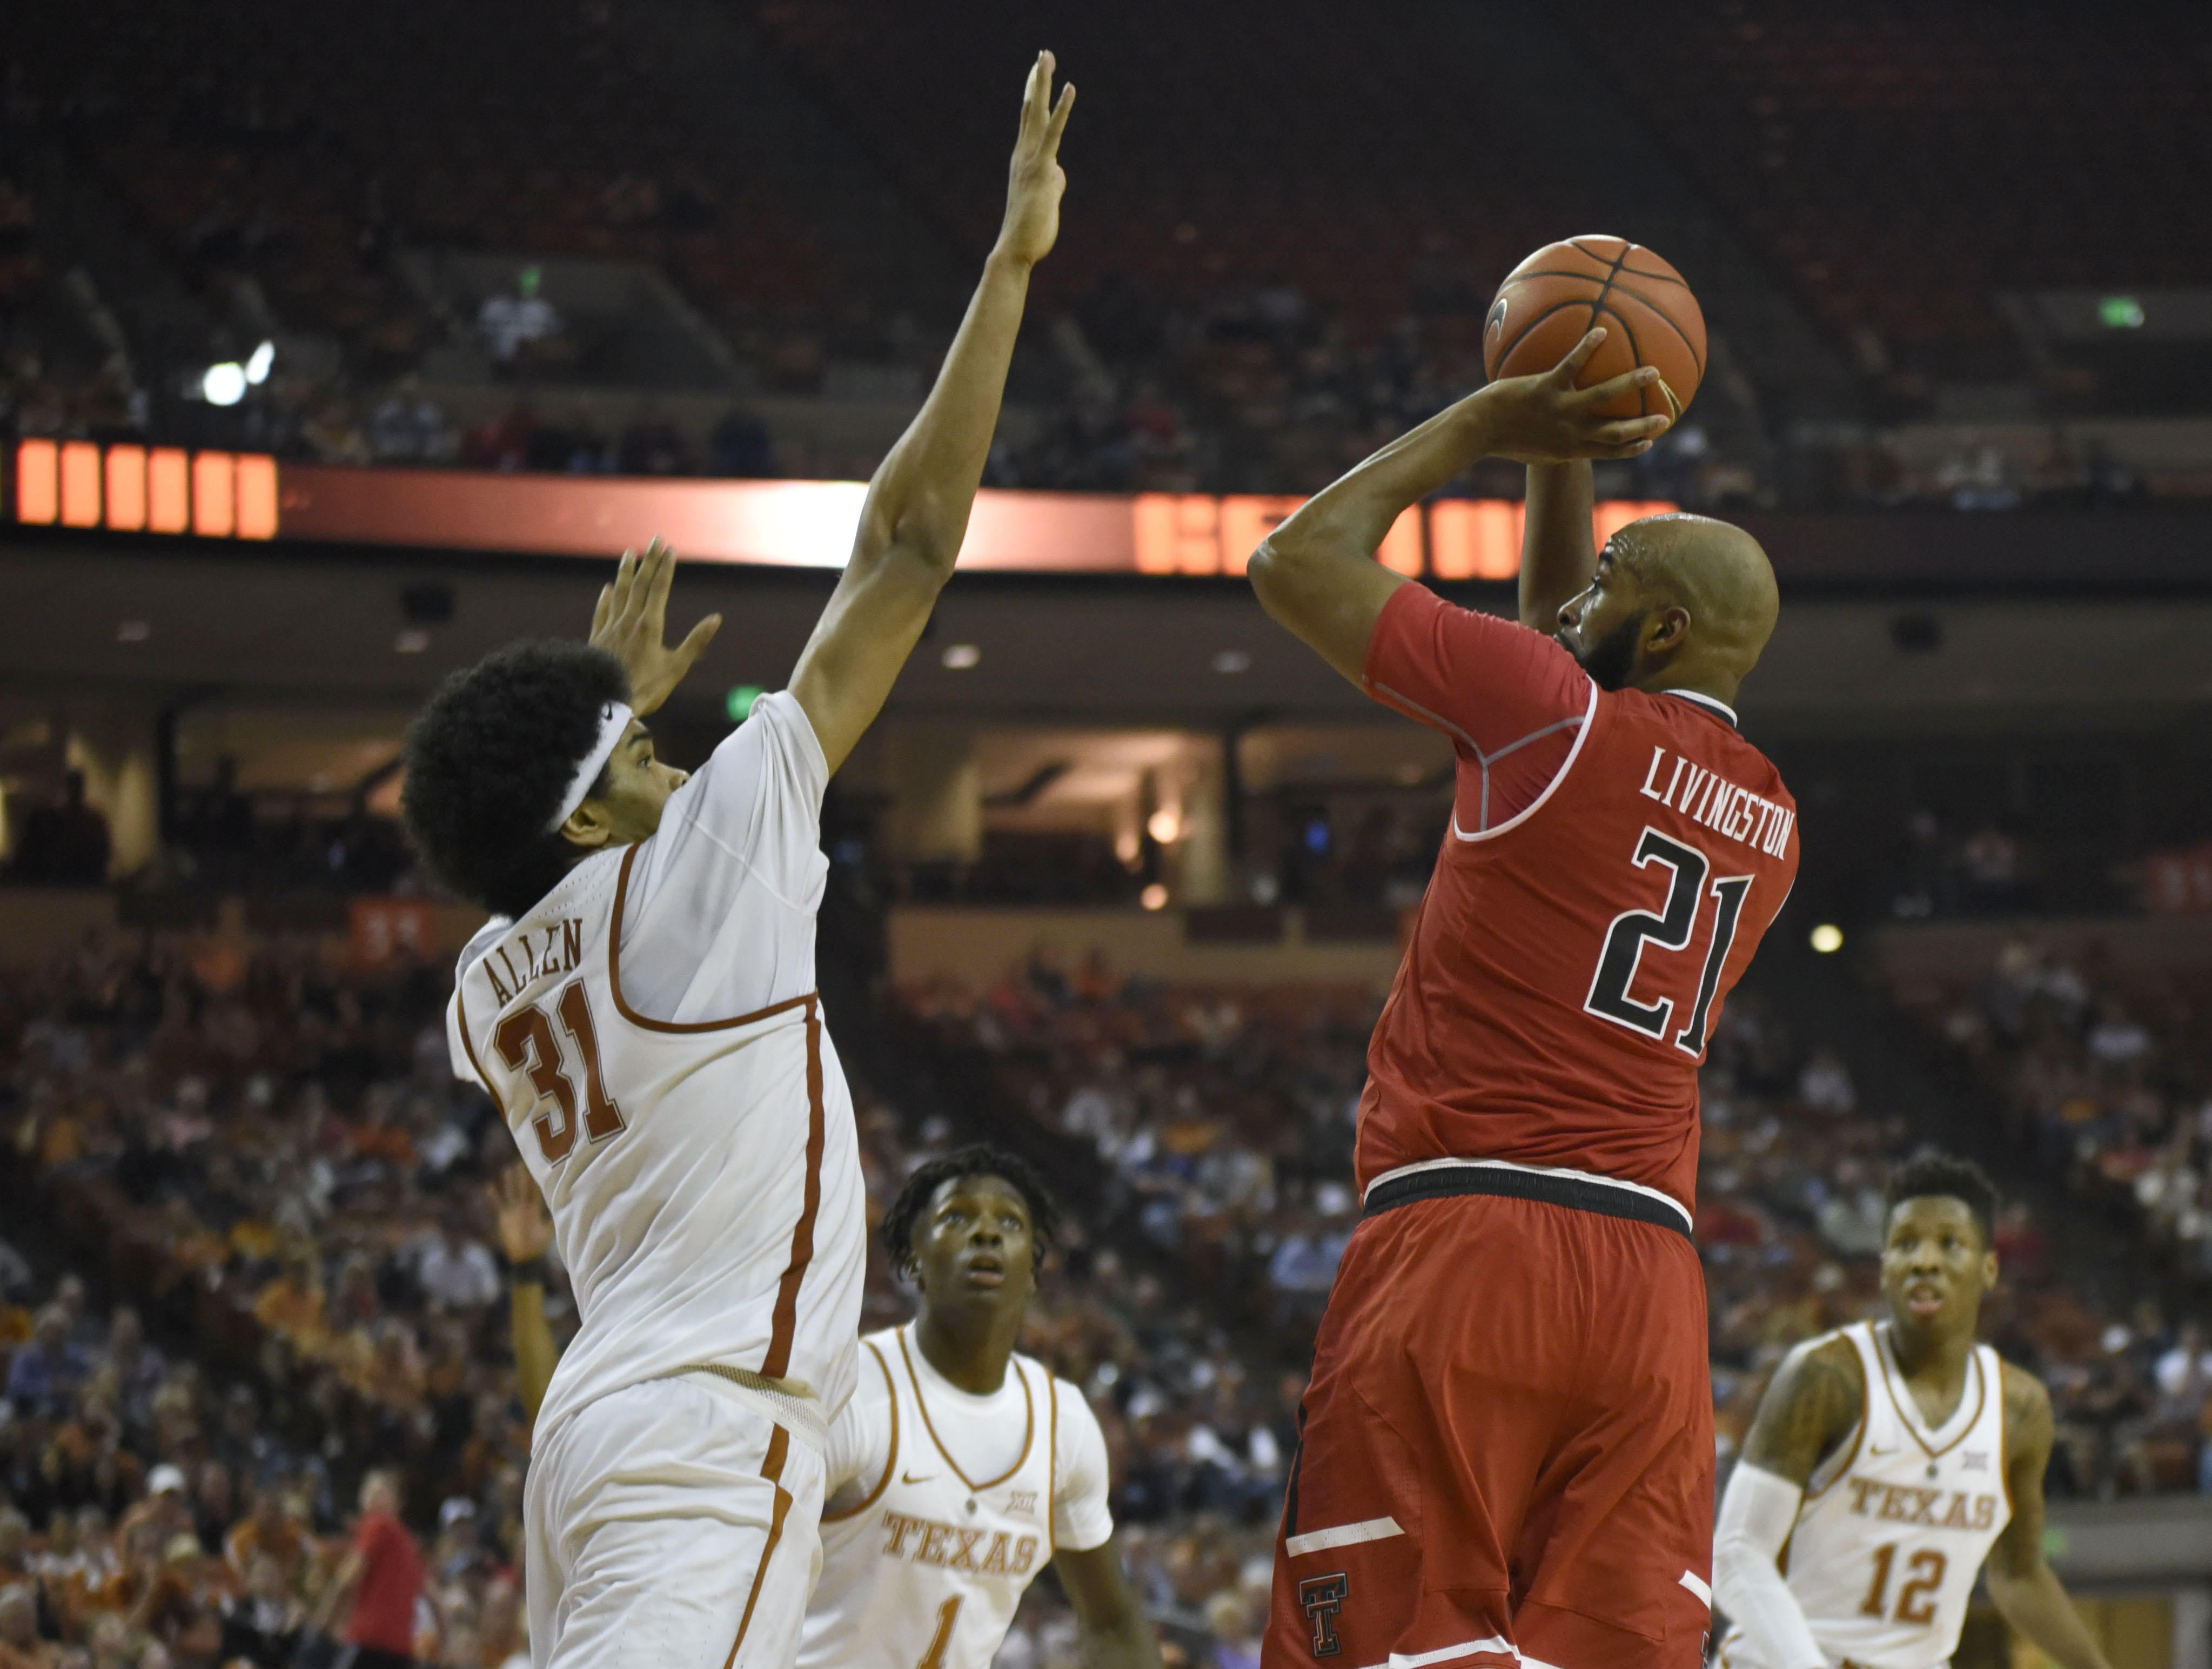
908 1478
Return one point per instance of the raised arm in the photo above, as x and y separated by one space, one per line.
525 1232
1316 573
2026 1589
1558 547
1817 1395
917 508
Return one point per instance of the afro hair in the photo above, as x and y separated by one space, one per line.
489 759
977 1159
1939 1176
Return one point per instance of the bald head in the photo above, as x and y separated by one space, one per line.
1713 570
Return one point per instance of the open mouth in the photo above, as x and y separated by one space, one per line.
1924 1300
985 1271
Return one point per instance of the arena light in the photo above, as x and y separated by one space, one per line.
257 366
739 704
223 384
1828 938
1164 825
1154 897
2120 312
962 656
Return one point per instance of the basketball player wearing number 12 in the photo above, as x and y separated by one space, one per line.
1889 1461
1506 1451
643 1009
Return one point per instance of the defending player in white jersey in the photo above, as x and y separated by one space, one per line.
1889 1461
642 1009
960 1468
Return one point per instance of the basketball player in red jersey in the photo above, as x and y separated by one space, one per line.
1507 1449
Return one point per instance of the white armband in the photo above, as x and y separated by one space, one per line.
1757 1515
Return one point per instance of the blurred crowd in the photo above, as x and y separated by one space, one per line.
253 1269
261 1156
1225 1121
2102 1073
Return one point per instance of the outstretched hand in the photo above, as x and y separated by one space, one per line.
524 1230
1546 419
631 624
1034 179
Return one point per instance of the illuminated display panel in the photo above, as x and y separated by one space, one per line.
786 523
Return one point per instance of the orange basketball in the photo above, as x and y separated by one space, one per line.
1555 297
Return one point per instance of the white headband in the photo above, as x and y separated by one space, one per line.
614 719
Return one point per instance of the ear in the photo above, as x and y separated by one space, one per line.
1989 1271
589 827
1668 630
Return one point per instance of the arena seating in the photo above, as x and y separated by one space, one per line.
1906 167
269 1159
1225 1119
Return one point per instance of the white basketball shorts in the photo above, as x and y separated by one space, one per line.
673 1525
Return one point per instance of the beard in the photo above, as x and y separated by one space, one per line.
1612 656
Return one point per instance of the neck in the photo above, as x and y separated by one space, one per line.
970 1345
1712 682
1936 1361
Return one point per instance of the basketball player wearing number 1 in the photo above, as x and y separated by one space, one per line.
643 1009
961 1468
1891 1461
1506 1452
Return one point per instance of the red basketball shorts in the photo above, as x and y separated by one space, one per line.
1507 1449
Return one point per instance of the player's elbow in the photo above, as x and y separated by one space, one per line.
1275 568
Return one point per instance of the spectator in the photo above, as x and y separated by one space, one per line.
383 1577
510 324
456 1272
1826 1086
66 845
271 1532
20 1645
263 1625
407 427
43 1378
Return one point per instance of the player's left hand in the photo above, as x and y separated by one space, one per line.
524 1230
631 624
1034 179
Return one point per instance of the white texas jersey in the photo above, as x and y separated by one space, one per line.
1894 1527
943 1506
651 1031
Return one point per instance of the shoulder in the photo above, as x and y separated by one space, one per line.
1078 1433
2027 1407
1831 1359
779 721
1817 1395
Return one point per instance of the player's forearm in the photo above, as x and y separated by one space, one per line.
1757 1515
534 1351
1558 551
1128 1641
919 499
2037 1605
1346 520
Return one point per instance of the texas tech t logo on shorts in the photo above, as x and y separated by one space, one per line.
1322 1598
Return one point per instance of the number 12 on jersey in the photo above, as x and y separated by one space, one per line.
1671 930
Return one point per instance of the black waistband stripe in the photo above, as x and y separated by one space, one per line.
1572 1192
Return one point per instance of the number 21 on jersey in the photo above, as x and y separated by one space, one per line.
525 1042
1634 930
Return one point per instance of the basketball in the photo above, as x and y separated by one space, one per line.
1554 298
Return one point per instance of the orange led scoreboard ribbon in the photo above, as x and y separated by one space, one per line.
216 495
